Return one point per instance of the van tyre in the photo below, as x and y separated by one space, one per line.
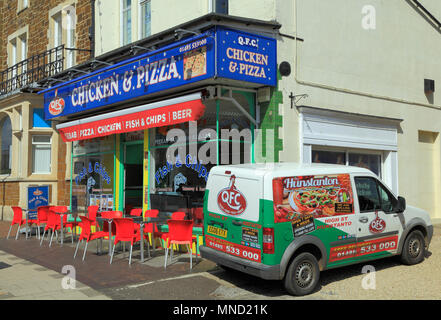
414 248
303 275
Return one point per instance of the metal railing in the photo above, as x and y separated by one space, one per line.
33 69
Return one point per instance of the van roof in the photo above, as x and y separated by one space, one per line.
292 168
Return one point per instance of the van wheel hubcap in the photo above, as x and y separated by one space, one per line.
414 247
304 274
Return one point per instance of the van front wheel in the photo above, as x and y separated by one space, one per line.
414 248
303 275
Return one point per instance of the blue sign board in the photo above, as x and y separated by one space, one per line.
37 197
220 52
246 57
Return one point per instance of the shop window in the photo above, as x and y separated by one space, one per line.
41 154
145 18
329 157
180 160
362 160
6 145
367 161
93 173
126 21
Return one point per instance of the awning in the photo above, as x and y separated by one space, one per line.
157 114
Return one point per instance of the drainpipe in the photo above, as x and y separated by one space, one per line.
92 30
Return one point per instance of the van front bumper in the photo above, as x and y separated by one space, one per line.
256 269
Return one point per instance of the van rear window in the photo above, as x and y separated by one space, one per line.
316 196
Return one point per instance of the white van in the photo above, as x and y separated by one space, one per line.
290 221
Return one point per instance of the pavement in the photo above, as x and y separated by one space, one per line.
31 271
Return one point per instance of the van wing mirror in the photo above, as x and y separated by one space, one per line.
401 205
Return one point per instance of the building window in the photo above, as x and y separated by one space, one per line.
70 38
41 154
22 4
63 33
145 18
58 29
371 161
126 22
221 6
18 50
6 145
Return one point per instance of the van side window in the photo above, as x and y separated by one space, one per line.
388 201
368 197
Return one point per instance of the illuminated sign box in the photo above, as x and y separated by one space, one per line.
218 53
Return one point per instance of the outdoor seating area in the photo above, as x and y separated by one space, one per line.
148 230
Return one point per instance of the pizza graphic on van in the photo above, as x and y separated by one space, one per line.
319 196
230 200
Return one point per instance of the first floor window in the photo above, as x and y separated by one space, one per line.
41 154
126 21
146 19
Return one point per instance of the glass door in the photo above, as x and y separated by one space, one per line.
133 175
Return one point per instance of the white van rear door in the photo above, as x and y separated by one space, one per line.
236 196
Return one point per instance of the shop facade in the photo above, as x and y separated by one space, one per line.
146 131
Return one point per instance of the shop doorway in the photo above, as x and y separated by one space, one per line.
133 175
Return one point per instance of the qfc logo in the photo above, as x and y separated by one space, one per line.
230 200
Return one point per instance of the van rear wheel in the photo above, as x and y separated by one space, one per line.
303 275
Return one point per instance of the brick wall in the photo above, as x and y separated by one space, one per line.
37 17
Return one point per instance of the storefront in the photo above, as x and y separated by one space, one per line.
351 139
145 132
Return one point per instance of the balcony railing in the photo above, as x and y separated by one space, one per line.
33 69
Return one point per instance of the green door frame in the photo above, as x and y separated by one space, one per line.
122 155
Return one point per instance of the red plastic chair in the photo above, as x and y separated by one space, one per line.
125 231
64 209
148 227
178 215
42 216
198 216
110 215
87 235
128 209
17 219
53 224
180 232
91 214
136 212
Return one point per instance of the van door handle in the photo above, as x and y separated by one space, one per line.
363 219
237 222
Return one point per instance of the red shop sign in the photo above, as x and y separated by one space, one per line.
132 120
